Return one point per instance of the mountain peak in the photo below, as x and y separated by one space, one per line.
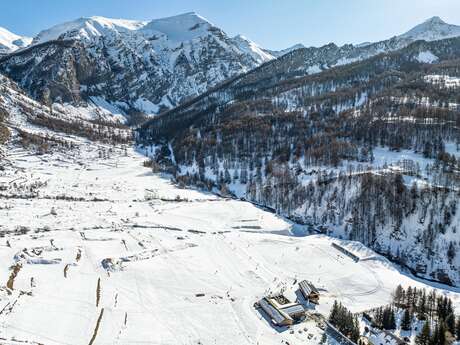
191 14
182 27
432 29
278 53
251 48
187 16
435 20
10 42
87 28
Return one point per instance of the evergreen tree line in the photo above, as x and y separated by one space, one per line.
440 327
438 334
425 305
342 319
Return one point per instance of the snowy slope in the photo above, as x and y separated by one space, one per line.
331 94
138 262
154 66
95 246
9 42
253 49
278 53
132 65
20 108
174 30
432 29
316 59
87 29
180 28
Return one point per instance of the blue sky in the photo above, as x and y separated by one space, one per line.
274 24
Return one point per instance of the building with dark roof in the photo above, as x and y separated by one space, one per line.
309 291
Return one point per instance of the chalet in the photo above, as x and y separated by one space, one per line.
277 317
281 311
309 291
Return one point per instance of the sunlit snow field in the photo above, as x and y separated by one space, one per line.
127 258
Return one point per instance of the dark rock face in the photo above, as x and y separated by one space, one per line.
51 71
443 277
133 69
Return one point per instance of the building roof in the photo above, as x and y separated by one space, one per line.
294 309
308 287
274 313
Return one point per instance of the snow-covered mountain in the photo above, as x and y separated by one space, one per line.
150 66
88 29
249 47
278 53
9 42
313 60
432 30
134 65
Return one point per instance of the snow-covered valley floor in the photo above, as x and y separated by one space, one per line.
101 251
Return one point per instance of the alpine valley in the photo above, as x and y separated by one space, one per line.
162 182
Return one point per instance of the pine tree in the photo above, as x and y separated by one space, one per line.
344 321
450 323
334 313
392 323
389 320
409 297
442 334
354 334
398 295
451 252
439 335
425 335
421 309
406 322
457 331
379 317
434 339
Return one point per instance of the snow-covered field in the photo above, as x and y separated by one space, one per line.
101 251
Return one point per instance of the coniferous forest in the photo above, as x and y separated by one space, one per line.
316 148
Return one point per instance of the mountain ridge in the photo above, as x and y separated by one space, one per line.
432 29
133 65
10 42
148 67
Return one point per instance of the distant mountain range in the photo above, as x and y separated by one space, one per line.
141 67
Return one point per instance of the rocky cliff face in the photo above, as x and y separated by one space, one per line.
147 66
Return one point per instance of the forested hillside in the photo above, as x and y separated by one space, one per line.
366 151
